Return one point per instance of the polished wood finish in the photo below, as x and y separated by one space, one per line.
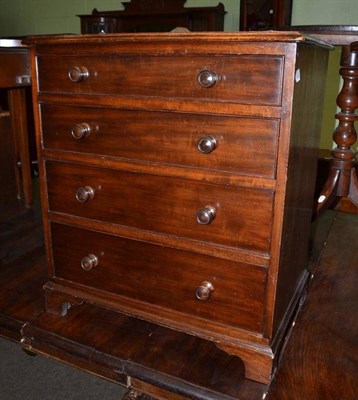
337 35
344 204
245 224
14 66
169 365
168 76
14 77
198 247
160 286
154 16
157 137
301 175
342 181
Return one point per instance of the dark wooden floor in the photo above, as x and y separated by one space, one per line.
22 271
321 357
319 362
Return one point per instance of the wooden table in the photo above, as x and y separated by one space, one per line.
342 181
14 77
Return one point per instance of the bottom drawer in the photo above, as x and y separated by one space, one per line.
161 276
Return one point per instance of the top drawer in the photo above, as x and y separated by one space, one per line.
243 79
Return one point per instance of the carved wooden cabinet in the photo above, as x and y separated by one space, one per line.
154 16
177 177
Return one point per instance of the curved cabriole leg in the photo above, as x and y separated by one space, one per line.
328 194
342 180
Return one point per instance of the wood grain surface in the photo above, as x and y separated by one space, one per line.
320 360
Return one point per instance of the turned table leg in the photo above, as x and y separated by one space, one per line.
342 180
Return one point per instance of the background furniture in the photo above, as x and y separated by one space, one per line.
14 78
342 181
154 16
258 15
9 190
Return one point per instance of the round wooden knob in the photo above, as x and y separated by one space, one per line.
206 144
84 193
206 215
78 74
80 131
203 291
207 79
89 262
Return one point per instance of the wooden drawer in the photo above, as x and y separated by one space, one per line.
246 79
162 276
171 138
162 204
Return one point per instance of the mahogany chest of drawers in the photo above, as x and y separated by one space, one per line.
177 176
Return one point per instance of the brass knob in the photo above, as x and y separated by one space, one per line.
206 144
84 193
207 79
80 131
203 291
78 74
206 215
89 262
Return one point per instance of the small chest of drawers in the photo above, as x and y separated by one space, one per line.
177 176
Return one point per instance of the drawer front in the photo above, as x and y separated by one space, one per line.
221 143
161 276
243 79
240 217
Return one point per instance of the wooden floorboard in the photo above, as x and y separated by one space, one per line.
321 357
169 359
22 272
